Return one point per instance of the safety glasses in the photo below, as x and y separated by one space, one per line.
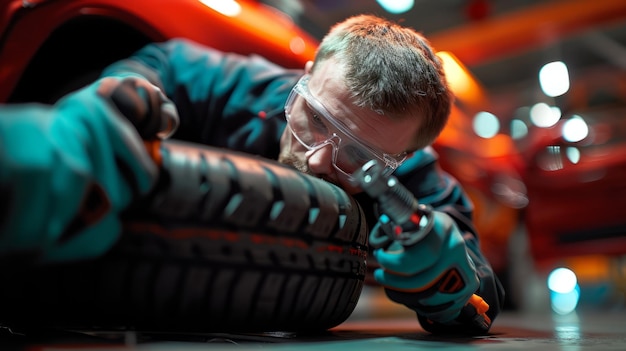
314 127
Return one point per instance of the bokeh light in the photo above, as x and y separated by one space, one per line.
562 280
564 290
575 129
573 154
544 115
486 125
554 79
396 6
519 129
564 303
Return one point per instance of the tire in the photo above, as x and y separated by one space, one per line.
229 243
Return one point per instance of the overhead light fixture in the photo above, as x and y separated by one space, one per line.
230 8
396 6
554 79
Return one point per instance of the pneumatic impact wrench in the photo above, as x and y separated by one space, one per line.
404 221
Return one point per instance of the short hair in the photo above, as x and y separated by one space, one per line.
390 69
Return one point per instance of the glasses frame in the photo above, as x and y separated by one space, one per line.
391 162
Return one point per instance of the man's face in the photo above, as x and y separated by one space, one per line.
391 136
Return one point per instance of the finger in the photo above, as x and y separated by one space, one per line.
407 283
169 120
131 151
105 86
378 237
412 260
159 118
115 148
127 145
133 103
423 254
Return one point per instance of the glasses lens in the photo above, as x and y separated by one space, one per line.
314 127
306 124
350 157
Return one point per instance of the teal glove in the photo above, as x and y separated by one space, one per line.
435 277
67 171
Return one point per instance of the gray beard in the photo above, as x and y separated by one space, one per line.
291 160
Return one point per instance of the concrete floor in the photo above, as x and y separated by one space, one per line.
376 324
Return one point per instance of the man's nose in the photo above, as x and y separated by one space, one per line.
320 161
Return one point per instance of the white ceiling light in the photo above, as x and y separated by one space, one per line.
396 6
554 79
226 7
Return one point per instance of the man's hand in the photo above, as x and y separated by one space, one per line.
143 104
435 277
67 171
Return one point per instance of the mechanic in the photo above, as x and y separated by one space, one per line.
376 90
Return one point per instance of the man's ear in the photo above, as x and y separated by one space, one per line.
307 67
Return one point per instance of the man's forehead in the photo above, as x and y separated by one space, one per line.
390 134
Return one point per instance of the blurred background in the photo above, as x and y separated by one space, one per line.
537 136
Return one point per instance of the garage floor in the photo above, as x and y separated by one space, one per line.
375 325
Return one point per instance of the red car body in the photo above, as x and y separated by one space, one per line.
577 190
46 44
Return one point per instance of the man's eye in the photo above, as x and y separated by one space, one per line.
317 122
316 119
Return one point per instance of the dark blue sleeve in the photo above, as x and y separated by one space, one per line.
223 99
